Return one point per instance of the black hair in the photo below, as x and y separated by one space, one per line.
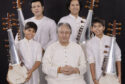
32 25
67 24
41 1
68 2
98 20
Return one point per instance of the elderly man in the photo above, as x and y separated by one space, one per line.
64 61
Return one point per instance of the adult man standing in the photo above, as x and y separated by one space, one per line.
64 61
73 18
46 33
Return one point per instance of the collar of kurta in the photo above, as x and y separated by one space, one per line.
74 17
28 40
39 19
64 46
100 38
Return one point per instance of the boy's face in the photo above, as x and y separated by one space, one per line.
29 33
98 29
74 7
37 8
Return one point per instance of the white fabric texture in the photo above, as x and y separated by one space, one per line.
75 23
46 32
95 52
31 52
109 79
56 56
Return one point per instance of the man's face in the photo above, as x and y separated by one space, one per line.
64 34
29 33
98 29
74 7
37 8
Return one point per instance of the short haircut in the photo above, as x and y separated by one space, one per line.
41 1
98 20
66 24
68 2
32 25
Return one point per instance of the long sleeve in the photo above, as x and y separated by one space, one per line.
82 63
53 35
90 57
117 52
48 67
39 53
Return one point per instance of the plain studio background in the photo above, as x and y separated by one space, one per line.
108 9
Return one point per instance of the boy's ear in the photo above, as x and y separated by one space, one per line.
43 8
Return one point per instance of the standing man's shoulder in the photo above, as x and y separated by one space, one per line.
49 20
29 19
64 19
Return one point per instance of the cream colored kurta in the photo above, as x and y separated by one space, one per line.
31 52
95 52
56 56
75 23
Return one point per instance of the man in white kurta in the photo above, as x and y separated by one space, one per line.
58 56
31 52
95 51
46 33
73 18
75 24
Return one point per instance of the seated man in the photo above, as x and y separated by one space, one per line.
64 61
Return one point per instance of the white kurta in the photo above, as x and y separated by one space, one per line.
75 23
46 32
56 56
95 52
31 52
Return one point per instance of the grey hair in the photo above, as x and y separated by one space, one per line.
67 24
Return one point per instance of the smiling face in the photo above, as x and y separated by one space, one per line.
98 29
74 7
64 34
37 9
29 33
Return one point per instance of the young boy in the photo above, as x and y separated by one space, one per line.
96 48
31 53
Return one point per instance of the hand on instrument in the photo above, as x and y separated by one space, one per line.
29 74
10 67
96 82
119 78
